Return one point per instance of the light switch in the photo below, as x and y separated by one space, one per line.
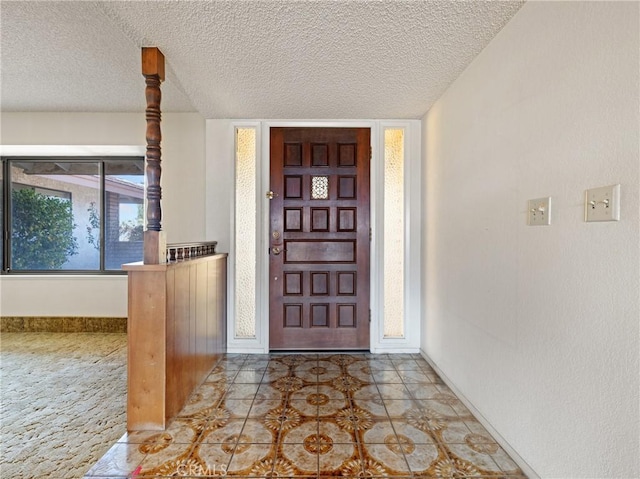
539 212
602 204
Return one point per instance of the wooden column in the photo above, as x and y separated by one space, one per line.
153 71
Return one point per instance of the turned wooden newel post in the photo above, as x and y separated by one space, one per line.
153 71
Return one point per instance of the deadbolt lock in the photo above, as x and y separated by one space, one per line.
276 235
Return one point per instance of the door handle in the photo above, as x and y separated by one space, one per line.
276 250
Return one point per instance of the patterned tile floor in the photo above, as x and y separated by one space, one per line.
316 416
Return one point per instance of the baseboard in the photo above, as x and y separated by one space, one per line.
59 324
392 350
233 349
526 468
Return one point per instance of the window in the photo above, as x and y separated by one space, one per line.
245 234
71 214
394 233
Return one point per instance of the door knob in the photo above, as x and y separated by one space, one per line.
275 250
271 195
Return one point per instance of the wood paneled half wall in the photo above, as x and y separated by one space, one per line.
176 333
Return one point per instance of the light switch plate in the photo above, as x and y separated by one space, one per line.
539 212
602 204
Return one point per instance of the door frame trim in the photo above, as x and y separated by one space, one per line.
362 265
263 237
221 178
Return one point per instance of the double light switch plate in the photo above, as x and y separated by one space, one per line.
602 204
539 212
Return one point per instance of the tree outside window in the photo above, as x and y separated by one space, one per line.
42 230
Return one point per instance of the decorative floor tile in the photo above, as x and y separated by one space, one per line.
406 365
258 432
329 391
505 463
381 432
267 391
455 433
302 434
165 461
332 434
183 431
242 391
208 394
239 408
333 455
374 405
419 456
221 375
254 460
209 459
387 376
478 456
260 362
303 457
394 391
442 409
417 376
306 407
395 408
304 392
376 365
368 392
260 407
249 376
413 434
228 434
389 455
317 416
361 370
275 371
328 408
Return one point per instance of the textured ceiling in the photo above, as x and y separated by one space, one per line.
244 59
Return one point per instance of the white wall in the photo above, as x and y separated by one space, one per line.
66 296
538 327
220 181
183 204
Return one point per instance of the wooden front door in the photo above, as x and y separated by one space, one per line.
319 238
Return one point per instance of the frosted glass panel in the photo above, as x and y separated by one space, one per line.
394 233
319 187
245 247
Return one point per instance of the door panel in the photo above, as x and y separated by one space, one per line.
319 237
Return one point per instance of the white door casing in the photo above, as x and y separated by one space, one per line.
220 224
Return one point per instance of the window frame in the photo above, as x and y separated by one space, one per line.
7 214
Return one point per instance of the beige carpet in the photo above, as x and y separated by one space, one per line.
63 401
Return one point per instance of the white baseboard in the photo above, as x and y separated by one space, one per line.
526 468
394 350
235 349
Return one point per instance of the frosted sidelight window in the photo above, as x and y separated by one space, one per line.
245 234
394 245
